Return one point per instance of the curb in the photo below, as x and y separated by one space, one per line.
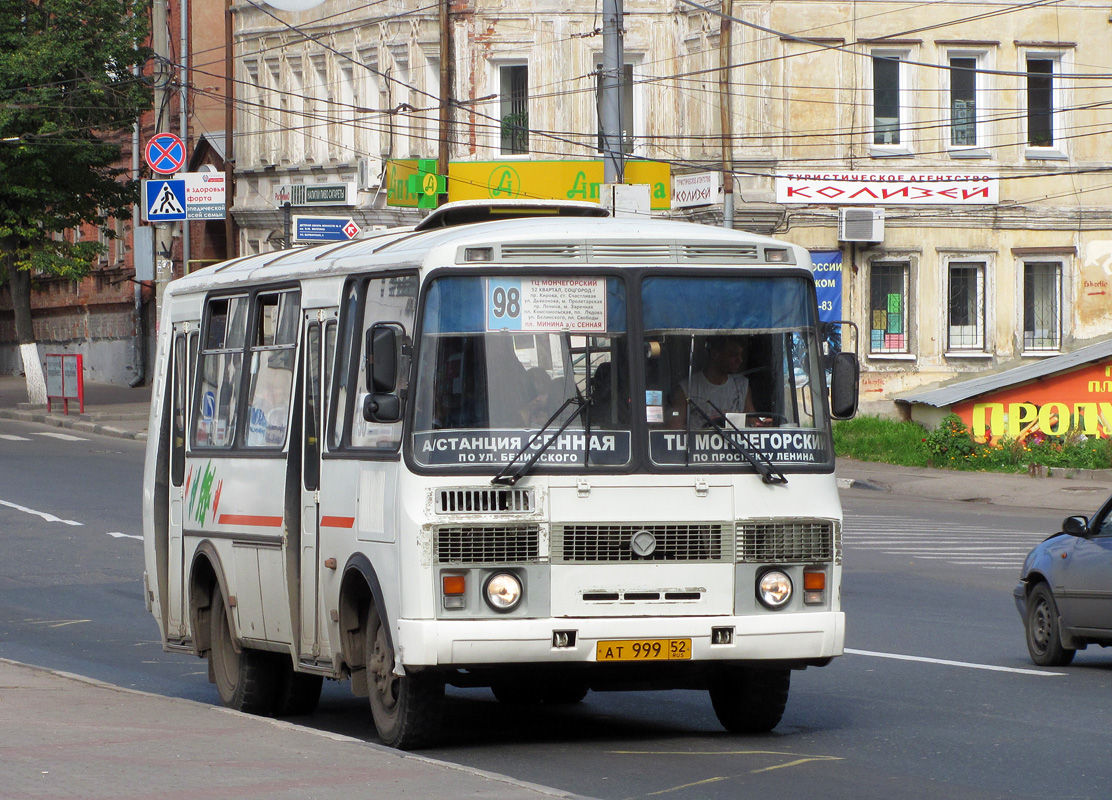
85 426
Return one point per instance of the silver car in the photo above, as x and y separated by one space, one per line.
1064 594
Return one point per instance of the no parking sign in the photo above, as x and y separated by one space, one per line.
165 154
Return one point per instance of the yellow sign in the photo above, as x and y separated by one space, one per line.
397 183
429 186
549 180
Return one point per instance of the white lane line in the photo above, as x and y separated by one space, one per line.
946 663
11 437
118 535
66 437
43 514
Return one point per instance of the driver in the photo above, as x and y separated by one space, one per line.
718 388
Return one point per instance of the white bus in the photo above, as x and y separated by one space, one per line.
463 454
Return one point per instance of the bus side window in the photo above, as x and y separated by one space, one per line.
391 299
220 368
273 348
177 420
310 468
338 403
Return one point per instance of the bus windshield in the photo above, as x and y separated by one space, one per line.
730 354
509 366
505 362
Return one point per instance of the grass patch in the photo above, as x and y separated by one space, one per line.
878 439
950 445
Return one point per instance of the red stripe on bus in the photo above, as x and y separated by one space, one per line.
251 519
337 522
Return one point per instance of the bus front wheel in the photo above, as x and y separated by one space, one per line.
407 709
750 699
246 680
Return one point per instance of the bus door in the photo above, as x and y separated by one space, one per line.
319 343
183 358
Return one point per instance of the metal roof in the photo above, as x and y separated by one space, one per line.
964 390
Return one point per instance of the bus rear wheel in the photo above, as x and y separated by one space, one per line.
246 680
750 699
407 709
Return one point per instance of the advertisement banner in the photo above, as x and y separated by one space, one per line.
887 188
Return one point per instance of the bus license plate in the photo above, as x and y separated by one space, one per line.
643 650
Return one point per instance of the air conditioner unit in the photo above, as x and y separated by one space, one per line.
368 173
860 224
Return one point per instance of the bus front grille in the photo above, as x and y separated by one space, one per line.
487 544
589 544
483 501
784 541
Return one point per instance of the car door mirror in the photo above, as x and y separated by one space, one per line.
1076 526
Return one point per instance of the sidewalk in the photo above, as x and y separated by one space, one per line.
110 409
89 739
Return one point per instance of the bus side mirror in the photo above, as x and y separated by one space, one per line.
382 407
382 359
382 403
844 374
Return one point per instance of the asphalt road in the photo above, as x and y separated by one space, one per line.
935 697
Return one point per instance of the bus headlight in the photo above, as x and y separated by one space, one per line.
774 589
503 591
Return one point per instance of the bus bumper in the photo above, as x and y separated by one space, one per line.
771 637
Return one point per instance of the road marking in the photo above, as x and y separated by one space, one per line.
65 437
11 437
43 514
947 663
920 539
58 623
118 535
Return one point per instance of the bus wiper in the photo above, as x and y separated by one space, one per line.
769 474
507 478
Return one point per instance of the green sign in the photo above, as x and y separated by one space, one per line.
426 184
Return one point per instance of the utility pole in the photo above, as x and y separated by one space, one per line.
610 100
163 231
229 134
725 109
444 153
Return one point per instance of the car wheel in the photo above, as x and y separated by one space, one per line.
407 709
750 699
1044 640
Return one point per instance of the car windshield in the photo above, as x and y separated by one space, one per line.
499 357
732 357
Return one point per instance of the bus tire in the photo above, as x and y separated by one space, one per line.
246 681
298 692
407 709
750 699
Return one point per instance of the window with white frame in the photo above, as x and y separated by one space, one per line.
513 108
342 136
628 123
964 89
1042 305
965 307
888 307
890 99
1043 86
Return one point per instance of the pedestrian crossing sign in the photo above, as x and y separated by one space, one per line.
164 200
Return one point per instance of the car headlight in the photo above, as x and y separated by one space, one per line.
774 589
503 591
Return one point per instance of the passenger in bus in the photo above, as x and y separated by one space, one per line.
717 389
539 405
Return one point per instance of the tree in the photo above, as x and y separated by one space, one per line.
69 95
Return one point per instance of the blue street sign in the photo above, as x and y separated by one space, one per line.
324 229
164 200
